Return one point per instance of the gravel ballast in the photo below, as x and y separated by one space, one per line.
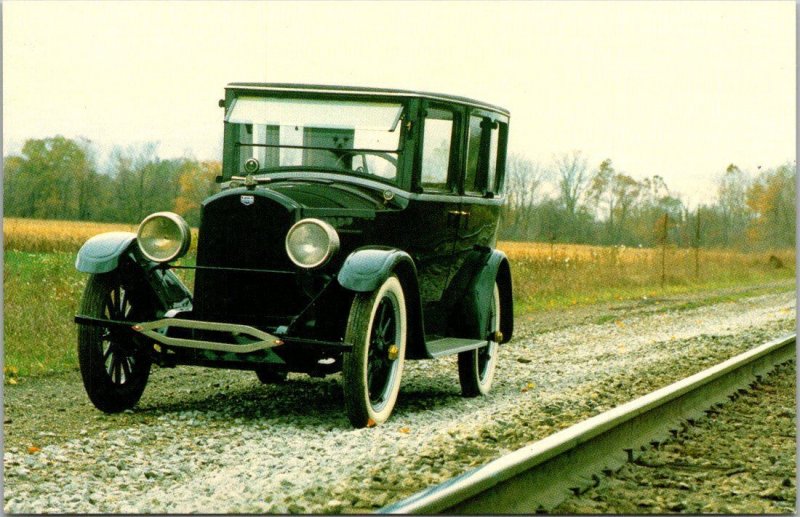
740 458
216 441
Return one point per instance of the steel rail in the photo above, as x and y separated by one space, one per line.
542 474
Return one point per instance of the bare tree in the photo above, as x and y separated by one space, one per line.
601 192
732 195
617 193
626 191
523 181
573 179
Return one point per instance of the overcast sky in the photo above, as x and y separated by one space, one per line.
678 89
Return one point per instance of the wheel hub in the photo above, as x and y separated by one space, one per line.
496 336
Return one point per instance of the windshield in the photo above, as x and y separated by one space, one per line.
348 136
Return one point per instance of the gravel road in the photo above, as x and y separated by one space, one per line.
216 441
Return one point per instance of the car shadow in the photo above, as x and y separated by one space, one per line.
252 400
412 402
300 401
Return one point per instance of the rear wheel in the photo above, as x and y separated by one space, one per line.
476 367
372 370
114 365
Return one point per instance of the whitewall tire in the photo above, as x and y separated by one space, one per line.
476 367
372 370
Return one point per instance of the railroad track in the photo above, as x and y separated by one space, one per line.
542 474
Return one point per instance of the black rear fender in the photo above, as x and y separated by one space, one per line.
471 294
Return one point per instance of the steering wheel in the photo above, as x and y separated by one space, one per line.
363 154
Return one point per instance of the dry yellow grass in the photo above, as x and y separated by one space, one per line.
44 236
557 273
577 273
47 236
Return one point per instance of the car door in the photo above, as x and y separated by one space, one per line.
481 193
434 210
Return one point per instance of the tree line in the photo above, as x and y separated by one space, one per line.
566 200
59 178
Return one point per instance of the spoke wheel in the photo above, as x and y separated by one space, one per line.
372 370
476 367
114 367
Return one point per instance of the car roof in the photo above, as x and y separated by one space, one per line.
361 90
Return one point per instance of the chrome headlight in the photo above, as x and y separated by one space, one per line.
311 243
163 236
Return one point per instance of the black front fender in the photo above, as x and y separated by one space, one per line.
365 269
118 252
101 253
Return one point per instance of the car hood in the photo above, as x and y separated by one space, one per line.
330 194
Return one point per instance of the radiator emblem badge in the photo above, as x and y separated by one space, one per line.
247 200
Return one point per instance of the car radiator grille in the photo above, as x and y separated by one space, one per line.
245 233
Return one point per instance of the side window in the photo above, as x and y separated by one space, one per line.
498 160
471 183
437 142
483 159
494 144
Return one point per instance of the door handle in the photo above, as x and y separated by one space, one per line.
459 214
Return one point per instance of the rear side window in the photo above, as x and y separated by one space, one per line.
484 162
491 173
436 147
471 178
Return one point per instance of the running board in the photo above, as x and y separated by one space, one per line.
452 345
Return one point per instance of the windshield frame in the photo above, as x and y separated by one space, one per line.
232 147
308 104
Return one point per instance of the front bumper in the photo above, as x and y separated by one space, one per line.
240 339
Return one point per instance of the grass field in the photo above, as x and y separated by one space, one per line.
548 276
42 289
43 236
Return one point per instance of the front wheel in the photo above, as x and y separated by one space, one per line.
114 365
476 367
371 371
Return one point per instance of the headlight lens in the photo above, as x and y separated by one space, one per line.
311 243
163 236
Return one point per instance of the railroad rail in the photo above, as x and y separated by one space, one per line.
542 474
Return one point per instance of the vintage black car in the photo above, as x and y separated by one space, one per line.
354 229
